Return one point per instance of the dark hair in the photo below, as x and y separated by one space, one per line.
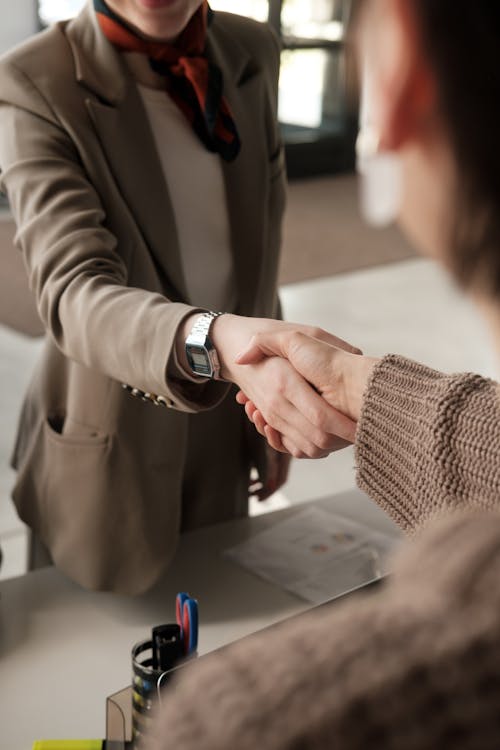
462 39
462 42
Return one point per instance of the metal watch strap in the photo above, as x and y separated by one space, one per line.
201 330
203 323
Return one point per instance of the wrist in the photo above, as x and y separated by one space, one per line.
201 354
358 374
227 343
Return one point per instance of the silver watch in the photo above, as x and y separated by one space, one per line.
200 351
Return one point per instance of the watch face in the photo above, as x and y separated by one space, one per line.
199 360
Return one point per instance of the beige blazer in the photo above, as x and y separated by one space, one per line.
106 480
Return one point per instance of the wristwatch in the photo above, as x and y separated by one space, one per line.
201 353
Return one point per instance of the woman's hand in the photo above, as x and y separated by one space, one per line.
338 375
278 466
288 404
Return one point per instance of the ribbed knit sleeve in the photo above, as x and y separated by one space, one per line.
427 442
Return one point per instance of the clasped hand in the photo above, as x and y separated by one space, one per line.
300 385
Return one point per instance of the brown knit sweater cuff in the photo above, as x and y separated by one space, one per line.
427 441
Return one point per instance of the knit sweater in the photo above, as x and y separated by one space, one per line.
416 665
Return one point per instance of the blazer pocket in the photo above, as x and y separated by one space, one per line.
84 436
60 483
75 482
75 473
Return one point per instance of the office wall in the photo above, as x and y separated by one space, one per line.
17 21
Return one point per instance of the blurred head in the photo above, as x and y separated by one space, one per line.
435 99
156 19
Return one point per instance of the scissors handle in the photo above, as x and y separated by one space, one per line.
179 607
186 613
190 625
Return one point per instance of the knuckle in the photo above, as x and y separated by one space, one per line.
307 449
273 406
324 443
295 341
281 389
315 452
281 380
316 332
270 417
319 418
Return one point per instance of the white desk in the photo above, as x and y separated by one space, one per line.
63 649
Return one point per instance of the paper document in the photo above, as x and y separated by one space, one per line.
316 554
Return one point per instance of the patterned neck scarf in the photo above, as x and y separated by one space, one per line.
194 84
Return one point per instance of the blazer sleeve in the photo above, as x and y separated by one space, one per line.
428 442
78 277
276 151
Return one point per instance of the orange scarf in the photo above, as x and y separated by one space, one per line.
193 83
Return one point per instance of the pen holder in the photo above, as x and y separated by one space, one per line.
154 661
147 679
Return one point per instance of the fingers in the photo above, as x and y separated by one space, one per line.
278 343
309 415
277 473
255 488
264 493
274 439
250 410
326 420
289 404
252 353
332 340
286 445
259 422
308 439
264 345
333 373
300 442
290 447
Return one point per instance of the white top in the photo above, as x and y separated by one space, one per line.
197 190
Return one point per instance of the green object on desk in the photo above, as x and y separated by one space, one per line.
69 745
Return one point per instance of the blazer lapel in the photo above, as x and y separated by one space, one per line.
246 178
122 126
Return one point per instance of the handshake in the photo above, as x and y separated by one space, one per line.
300 386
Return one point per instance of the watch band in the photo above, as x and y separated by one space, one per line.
199 337
204 323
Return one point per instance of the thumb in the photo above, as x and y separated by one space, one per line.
261 345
